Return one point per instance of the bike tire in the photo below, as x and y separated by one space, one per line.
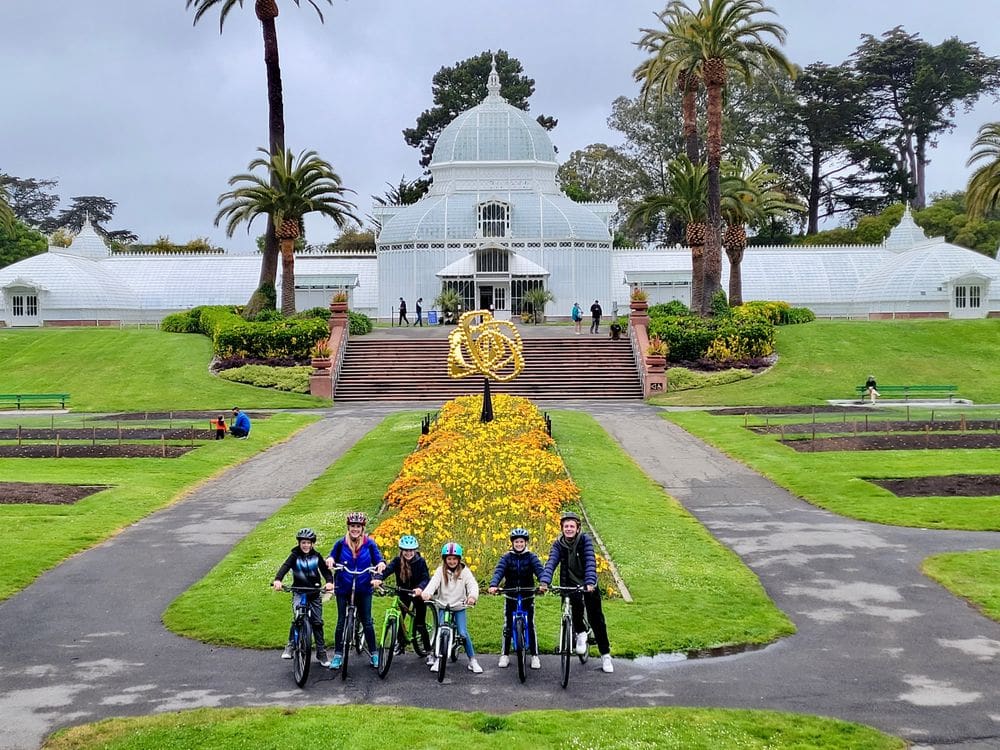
387 647
520 641
445 646
348 629
432 625
565 649
302 655
586 654
360 646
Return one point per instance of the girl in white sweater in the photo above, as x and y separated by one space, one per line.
456 588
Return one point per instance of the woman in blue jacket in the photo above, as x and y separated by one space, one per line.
356 551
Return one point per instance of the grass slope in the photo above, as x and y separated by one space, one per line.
690 592
108 369
371 726
828 359
974 576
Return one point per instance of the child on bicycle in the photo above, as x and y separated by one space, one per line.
411 572
307 566
456 588
573 552
356 551
518 569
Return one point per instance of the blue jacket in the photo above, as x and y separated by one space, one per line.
559 555
306 569
242 422
517 570
368 556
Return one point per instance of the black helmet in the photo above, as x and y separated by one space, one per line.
307 534
569 516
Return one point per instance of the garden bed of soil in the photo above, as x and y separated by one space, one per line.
926 441
77 450
970 425
740 411
12 493
177 415
106 433
952 485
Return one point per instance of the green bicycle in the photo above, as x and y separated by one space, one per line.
395 624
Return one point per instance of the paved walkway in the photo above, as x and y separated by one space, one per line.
877 642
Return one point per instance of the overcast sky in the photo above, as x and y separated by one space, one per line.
126 99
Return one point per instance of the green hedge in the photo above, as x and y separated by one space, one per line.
295 379
359 323
729 338
234 337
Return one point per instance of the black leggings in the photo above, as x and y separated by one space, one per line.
418 611
595 615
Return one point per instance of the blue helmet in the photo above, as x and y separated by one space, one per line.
408 541
451 548
519 533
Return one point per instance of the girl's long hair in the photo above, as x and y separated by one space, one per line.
405 576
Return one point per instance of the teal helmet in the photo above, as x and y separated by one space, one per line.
451 548
408 541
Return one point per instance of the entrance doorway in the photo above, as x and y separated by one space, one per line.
495 295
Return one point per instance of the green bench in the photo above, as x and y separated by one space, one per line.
34 399
910 391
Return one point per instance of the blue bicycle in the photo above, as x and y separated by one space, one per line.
519 623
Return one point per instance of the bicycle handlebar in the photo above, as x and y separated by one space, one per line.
518 590
388 590
569 589
301 589
347 570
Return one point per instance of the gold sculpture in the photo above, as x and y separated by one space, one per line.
491 348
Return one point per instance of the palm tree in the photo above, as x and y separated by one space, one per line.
7 218
983 193
266 11
720 37
289 189
747 198
686 202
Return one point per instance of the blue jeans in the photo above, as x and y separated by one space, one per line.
462 628
363 601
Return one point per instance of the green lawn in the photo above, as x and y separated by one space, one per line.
974 576
38 537
690 592
828 359
834 479
397 726
110 369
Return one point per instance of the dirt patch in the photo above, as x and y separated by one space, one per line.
739 411
882 425
45 494
76 450
178 415
926 441
953 485
106 433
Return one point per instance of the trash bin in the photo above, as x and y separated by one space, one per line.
432 317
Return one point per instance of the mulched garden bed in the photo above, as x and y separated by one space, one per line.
928 441
739 411
107 433
76 450
953 485
970 425
178 415
45 494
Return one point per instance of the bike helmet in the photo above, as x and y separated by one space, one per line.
451 548
357 517
408 542
569 516
519 533
306 533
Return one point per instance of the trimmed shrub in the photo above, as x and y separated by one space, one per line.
798 315
295 379
267 316
282 338
682 379
358 323
778 313
314 312
182 322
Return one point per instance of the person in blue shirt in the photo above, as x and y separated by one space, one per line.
356 551
518 568
308 570
241 424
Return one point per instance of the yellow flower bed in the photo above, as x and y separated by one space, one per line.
473 482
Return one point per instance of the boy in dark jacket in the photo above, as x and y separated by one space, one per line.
411 573
518 569
573 552
307 566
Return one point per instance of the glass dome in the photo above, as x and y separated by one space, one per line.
923 273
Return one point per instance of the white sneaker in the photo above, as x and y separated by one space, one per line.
474 667
504 661
434 666
606 665
431 660
536 663
581 643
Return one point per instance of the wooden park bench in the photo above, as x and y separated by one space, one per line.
910 391
34 399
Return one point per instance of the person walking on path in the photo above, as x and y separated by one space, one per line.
595 312
420 312
402 312
577 314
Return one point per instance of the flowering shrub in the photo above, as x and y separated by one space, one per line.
473 482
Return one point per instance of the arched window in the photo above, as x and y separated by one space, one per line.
494 219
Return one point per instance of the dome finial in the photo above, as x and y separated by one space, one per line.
493 82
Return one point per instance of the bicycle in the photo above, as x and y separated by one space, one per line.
301 631
519 620
566 634
394 622
446 639
353 630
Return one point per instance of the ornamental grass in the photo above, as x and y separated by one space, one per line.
473 482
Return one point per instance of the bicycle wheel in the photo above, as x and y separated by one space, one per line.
519 639
302 656
348 630
360 645
387 647
565 648
445 638
432 624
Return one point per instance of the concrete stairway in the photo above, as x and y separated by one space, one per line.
569 367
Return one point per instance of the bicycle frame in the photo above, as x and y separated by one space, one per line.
567 636
446 638
519 636
301 631
394 629
350 634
